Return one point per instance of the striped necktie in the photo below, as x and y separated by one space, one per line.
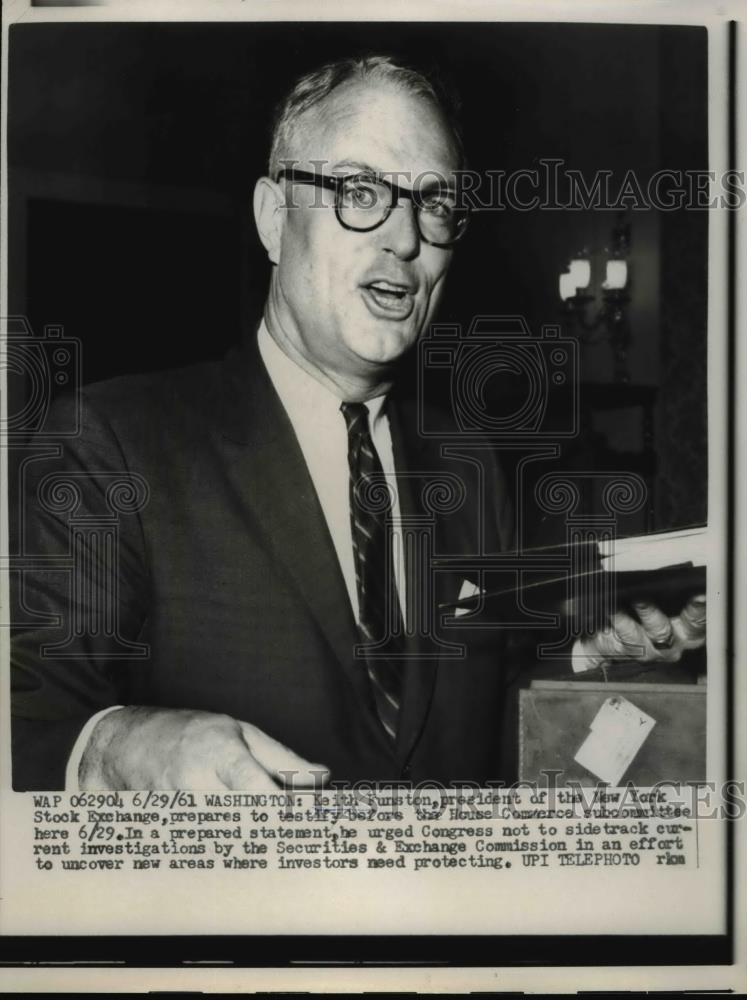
379 612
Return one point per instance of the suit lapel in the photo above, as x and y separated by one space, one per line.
275 484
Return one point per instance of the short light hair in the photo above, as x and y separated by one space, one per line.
314 87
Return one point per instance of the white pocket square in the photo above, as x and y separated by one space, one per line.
468 590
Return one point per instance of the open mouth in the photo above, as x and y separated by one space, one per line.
387 298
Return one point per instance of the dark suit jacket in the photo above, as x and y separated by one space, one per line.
229 575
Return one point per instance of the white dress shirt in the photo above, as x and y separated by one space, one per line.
314 411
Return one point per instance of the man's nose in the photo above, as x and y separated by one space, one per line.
400 234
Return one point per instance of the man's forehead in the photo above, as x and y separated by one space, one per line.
380 126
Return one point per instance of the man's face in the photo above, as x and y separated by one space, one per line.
354 302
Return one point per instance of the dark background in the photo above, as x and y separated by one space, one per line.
133 150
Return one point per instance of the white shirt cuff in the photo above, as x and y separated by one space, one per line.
582 661
76 754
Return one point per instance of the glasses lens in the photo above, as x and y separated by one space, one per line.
439 218
363 202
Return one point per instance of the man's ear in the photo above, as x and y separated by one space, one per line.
269 215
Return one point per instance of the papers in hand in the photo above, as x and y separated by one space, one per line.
656 551
665 569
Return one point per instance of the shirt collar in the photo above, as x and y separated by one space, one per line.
303 397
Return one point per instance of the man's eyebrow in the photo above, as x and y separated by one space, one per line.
357 167
435 184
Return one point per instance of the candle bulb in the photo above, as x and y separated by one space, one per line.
580 271
567 286
617 275
575 278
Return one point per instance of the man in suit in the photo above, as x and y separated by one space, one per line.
237 646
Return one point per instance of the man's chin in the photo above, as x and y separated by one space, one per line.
384 347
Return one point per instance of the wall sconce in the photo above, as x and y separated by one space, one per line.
612 316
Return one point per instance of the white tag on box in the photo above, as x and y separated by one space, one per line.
618 731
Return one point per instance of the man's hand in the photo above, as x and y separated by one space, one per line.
155 748
652 638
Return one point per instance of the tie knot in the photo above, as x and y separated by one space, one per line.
356 417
